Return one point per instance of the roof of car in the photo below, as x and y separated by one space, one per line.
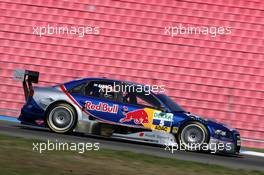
77 82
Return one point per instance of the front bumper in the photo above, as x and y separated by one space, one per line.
226 147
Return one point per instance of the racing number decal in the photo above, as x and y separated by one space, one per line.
162 121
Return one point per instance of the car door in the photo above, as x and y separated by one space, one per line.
99 100
121 104
141 108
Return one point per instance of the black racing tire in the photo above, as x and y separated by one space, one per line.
193 135
61 118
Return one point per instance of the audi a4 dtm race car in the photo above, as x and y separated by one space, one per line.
96 106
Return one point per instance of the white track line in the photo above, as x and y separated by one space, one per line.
252 153
252 140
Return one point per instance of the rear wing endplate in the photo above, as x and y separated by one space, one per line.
27 77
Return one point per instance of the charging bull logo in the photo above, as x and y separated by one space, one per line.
138 116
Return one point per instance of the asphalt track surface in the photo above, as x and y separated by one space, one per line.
237 162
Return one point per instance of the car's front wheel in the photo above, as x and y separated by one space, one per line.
61 118
193 136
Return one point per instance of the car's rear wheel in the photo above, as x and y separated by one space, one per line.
193 136
61 118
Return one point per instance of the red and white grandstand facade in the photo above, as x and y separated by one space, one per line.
219 77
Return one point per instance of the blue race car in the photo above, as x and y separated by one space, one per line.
117 109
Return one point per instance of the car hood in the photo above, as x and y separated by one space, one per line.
211 123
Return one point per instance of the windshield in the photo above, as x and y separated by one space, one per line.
173 106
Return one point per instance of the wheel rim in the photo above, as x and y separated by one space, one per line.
192 135
61 118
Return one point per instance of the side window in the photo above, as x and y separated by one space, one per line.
140 98
147 100
101 89
143 102
77 89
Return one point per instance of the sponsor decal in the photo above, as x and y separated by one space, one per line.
157 136
150 135
162 128
39 122
162 137
175 130
162 121
102 107
141 134
138 117
163 116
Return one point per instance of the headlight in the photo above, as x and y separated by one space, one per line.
220 132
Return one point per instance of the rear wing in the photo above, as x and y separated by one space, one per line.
27 77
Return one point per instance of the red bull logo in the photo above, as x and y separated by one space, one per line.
102 107
138 116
